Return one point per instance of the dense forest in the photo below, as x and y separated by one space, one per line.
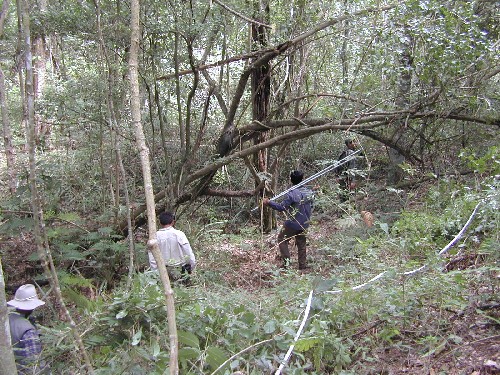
113 112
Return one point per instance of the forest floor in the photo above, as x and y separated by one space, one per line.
477 352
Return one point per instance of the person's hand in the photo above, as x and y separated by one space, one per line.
265 202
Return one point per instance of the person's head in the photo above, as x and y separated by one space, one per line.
296 177
167 218
26 299
350 143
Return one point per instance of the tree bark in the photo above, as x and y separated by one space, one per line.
3 14
148 184
261 96
10 153
396 158
43 127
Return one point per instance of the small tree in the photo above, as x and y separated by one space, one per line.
148 184
40 234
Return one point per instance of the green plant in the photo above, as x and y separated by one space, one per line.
488 163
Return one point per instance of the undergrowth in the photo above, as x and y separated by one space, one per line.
415 314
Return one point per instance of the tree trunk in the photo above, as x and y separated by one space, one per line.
180 119
3 14
116 142
148 185
261 93
396 158
344 53
10 153
8 363
43 128
226 142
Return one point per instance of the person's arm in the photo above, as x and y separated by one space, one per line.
283 206
188 253
186 249
32 347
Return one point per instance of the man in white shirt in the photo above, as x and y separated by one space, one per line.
175 250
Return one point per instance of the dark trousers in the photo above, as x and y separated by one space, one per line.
285 235
181 274
345 188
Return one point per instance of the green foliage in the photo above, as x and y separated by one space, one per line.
488 163
425 232
327 351
127 331
15 224
435 25
136 318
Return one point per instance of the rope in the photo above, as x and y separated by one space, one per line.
329 168
360 286
460 234
451 243
297 335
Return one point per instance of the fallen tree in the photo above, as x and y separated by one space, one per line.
365 125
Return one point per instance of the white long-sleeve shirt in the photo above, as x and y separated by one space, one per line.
174 247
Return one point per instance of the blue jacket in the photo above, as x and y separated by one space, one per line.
298 206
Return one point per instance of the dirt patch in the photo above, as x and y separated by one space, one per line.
17 263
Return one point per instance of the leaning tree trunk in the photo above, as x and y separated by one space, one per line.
231 137
148 185
41 240
8 363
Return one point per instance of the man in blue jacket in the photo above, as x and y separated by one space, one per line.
297 206
346 173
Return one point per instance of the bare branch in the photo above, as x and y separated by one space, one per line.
267 54
361 125
241 15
